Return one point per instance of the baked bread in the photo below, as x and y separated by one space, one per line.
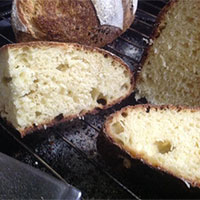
90 22
170 72
165 137
42 83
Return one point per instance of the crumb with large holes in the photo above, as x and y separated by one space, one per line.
42 83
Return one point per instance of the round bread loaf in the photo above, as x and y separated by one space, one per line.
90 22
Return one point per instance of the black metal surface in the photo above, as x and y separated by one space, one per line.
21 181
69 151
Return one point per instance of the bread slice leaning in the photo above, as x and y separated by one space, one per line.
165 137
42 83
170 71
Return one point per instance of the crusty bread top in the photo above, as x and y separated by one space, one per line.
165 137
66 21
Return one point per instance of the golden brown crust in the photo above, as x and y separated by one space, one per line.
140 156
66 21
105 53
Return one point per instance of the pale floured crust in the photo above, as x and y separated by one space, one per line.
109 12
72 21
19 25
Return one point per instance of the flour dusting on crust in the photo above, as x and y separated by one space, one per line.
18 23
110 12
135 4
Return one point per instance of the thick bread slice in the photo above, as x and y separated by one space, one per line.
170 71
90 22
45 82
165 137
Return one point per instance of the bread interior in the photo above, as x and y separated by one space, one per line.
40 82
171 72
165 138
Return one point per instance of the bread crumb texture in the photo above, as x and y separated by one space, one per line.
171 72
40 82
165 138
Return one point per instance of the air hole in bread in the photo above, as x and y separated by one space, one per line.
59 117
94 93
6 80
24 60
148 109
62 67
189 19
197 144
117 128
190 85
124 86
194 52
36 81
62 90
37 113
70 93
105 55
164 146
75 99
124 114
126 73
102 101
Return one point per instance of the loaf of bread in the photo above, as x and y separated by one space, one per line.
42 83
164 137
90 22
170 72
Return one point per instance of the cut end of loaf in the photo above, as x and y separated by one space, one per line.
164 137
171 69
42 80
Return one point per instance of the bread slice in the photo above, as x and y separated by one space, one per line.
42 83
170 71
90 22
165 137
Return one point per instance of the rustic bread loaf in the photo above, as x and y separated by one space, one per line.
42 83
164 137
90 22
170 72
